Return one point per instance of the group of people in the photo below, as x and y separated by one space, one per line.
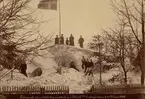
87 65
68 41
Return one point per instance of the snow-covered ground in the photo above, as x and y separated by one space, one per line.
70 77
76 81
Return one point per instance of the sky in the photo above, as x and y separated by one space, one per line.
78 17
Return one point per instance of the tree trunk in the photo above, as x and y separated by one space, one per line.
125 77
125 74
142 79
142 75
59 68
12 75
143 38
122 60
100 74
143 66
100 64
142 71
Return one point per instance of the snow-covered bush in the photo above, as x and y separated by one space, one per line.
118 78
62 56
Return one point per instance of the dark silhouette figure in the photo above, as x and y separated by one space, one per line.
89 70
81 41
67 41
83 62
71 40
86 65
23 69
72 65
91 64
57 40
61 39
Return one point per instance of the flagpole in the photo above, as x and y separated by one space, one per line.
59 19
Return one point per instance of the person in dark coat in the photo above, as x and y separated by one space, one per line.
56 39
67 41
61 39
86 65
89 70
71 40
23 69
72 65
83 62
81 41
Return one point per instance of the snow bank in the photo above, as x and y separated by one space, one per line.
72 78
77 81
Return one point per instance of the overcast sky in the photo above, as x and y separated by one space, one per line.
78 17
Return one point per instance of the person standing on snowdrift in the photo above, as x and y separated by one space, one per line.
67 41
81 41
56 39
61 39
71 40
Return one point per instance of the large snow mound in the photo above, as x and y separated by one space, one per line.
73 52
47 61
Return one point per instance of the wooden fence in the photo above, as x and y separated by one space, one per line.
34 90
117 89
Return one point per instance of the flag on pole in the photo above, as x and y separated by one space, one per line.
48 4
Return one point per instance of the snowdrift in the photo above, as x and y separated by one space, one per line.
48 62
45 63
70 77
77 82
72 53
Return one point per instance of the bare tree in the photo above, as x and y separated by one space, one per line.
133 13
19 34
119 46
